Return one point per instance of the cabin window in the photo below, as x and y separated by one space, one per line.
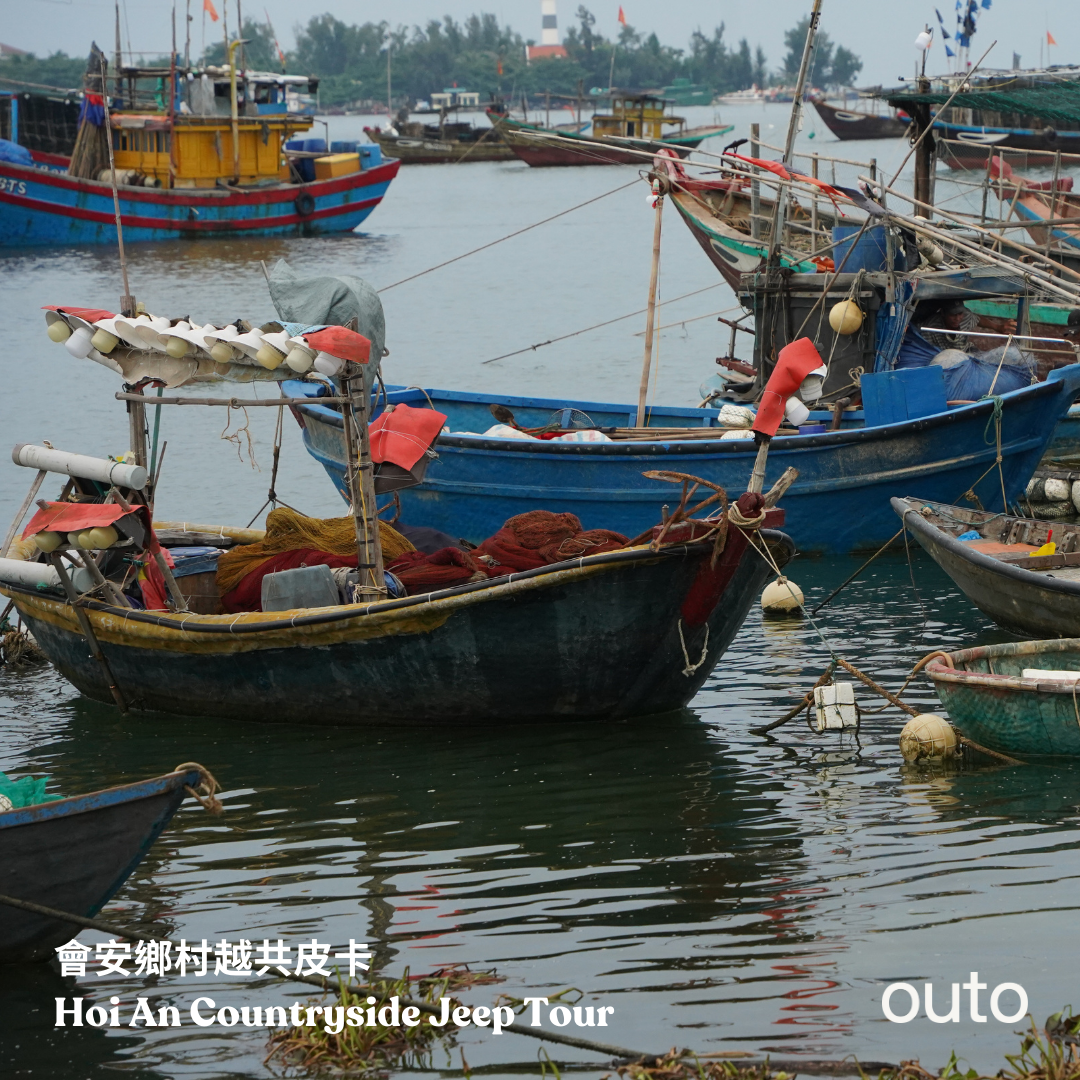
631 128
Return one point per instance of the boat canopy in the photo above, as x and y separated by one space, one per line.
1046 97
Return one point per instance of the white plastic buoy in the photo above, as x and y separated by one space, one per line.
845 317
781 597
1057 490
927 736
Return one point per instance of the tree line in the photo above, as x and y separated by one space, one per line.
479 54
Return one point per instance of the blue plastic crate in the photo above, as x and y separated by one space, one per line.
891 397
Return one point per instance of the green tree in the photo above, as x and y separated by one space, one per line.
830 65
260 53
58 70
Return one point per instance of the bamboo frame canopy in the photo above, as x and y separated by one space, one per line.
1044 98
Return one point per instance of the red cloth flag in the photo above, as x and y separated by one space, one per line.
622 15
1050 38
402 434
210 10
794 363
342 343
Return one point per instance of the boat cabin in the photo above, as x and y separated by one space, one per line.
636 116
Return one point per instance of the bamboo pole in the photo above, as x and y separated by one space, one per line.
360 479
793 128
233 403
1053 201
30 496
88 632
650 318
755 184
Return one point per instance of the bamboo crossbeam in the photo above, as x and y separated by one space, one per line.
990 256
233 403
820 157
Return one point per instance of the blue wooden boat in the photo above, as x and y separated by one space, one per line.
992 701
839 504
74 854
41 206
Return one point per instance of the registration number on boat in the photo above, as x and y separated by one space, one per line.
12 186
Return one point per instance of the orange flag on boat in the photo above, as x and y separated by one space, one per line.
622 16
208 7
1050 38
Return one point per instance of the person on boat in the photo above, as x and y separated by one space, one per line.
941 328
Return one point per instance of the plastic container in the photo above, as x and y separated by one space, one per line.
370 155
335 165
870 252
306 166
812 429
346 147
304 587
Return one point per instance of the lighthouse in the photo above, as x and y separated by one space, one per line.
549 47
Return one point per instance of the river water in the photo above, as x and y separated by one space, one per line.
720 889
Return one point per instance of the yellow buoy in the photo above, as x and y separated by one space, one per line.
845 317
48 541
102 537
223 352
927 736
58 331
178 348
73 539
103 341
781 597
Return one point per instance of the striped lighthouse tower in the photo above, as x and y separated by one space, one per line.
549 23
549 46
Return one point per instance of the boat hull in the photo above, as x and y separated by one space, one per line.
1019 600
40 207
839 504
847 125
424 151
991 703
540 147
604 637
74 855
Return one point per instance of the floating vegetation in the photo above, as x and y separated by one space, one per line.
681 1065
372 1047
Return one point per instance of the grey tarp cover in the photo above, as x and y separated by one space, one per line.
330 301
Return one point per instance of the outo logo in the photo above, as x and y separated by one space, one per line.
900 990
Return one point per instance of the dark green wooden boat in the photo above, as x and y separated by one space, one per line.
991 701
625 633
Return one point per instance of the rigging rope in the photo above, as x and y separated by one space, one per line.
509 236
597 326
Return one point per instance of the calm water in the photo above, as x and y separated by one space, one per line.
721 890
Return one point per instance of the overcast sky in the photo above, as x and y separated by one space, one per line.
879 31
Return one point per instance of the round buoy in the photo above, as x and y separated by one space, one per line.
102 537
845 317
777 598
48 541
927 736
58 331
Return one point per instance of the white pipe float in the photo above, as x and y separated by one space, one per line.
17 572
80 465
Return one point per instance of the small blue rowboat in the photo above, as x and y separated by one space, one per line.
993 702
74 854
840 503
39 206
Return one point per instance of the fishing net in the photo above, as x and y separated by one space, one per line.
540 537
1058 100
286 530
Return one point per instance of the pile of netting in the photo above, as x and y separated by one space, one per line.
526 542
293 540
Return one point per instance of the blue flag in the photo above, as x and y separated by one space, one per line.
948 51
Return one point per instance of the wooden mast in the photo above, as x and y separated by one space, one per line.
650 318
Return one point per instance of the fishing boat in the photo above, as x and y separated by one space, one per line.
187 169
634 128
683 92
1042 206
551 632
841 503
1016 698
440 144
74 854
1012 112
848 124
1002 565
46 124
